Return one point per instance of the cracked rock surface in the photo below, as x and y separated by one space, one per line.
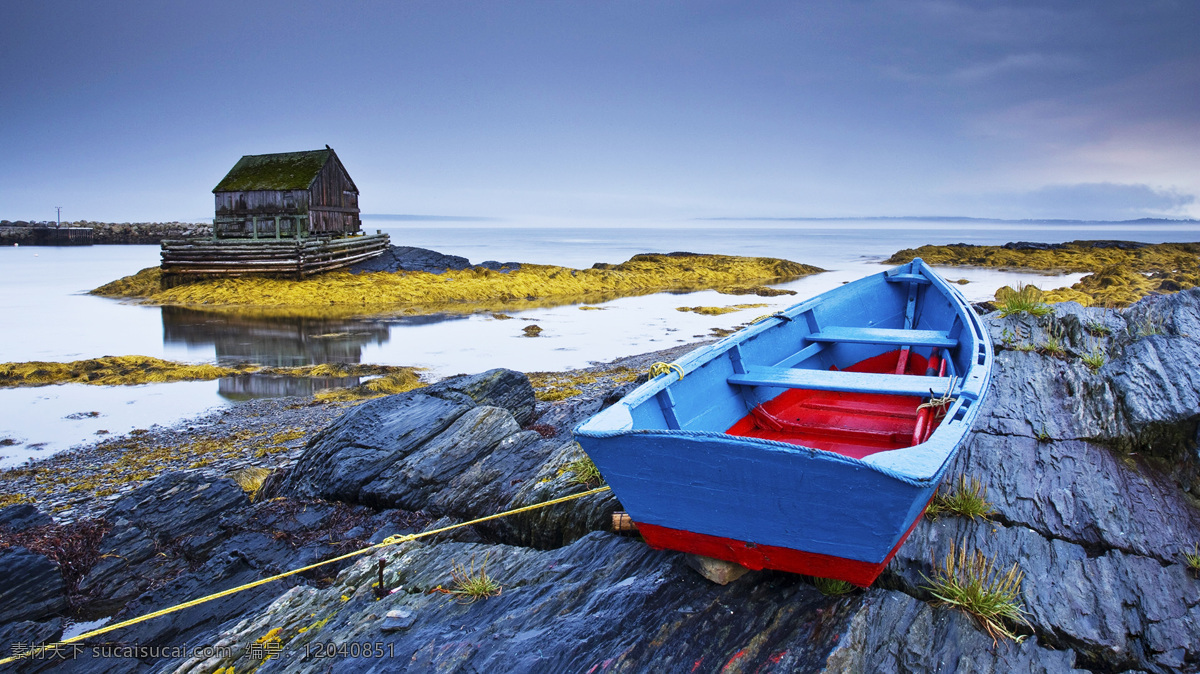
1091 470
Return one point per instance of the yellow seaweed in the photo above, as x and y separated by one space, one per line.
1117 276
476 289
717 311
132 370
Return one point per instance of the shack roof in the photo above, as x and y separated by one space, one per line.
282 171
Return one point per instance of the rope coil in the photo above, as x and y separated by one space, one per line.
389 541
943 401
658 369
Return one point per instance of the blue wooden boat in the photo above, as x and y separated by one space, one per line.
809 442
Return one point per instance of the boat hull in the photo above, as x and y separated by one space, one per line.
701 457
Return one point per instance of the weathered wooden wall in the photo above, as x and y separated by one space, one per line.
333 201
236 213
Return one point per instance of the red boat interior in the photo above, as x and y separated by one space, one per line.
851 424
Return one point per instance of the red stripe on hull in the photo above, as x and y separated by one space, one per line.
754 556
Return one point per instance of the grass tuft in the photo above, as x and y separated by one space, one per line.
1043 435
585 472
972 583
1151 324
831 587
1094 359
1021 299
470 584
968 498
1192 559
1054 340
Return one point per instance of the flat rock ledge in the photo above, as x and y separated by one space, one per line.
1092 470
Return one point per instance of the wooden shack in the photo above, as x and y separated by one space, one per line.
290 214
289 194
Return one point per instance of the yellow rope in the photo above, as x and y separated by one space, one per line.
390 540
664 368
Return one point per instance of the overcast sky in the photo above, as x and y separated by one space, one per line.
610 111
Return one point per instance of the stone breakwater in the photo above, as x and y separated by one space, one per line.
27 233
1091 466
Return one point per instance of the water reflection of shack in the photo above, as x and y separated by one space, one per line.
273 342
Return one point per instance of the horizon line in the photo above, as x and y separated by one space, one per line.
945 218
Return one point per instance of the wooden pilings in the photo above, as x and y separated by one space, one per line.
285 257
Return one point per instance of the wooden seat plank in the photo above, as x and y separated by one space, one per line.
834 380
936 338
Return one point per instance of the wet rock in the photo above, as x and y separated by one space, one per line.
410 258
428 471
27 633
157 531
398 620
23 516
508 389
33 587
1073 461
603 602
548 528
893 632
356 448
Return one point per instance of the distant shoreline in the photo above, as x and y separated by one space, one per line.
102 233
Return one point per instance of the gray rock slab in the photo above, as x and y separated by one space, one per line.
355 449
32 586
508 389
428 470
22 516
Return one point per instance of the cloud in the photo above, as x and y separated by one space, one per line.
1100 201
1016 64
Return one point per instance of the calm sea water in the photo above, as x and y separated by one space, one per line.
47 314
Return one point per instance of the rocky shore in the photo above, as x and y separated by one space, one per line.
1087 446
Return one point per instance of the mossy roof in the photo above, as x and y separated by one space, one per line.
282 171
